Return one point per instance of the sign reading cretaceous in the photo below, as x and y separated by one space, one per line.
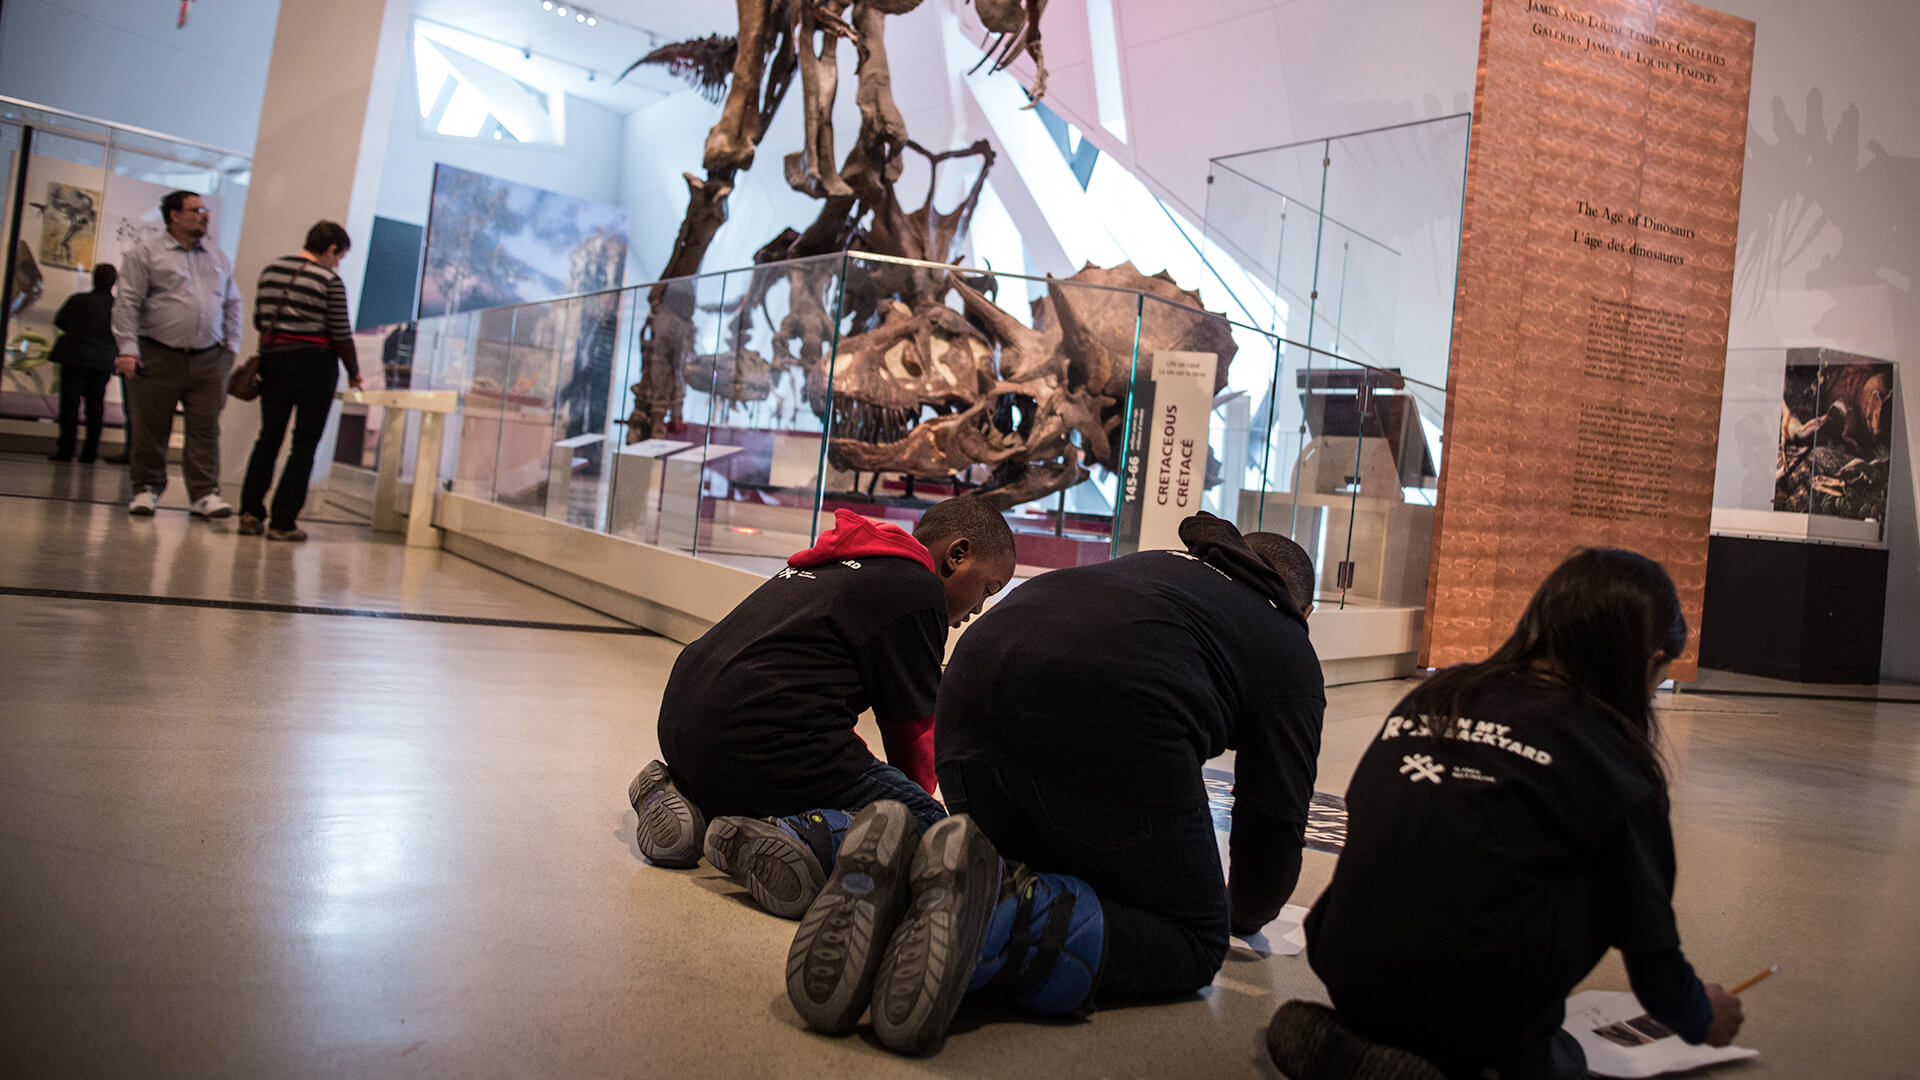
1590 327
1166 464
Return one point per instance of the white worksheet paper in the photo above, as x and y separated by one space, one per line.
1590 1011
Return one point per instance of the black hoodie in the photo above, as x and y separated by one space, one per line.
1122 678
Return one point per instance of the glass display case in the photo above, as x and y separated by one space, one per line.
82 192
1357 239
1097 412
1806 446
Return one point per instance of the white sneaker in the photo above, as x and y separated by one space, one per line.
211 506
143 503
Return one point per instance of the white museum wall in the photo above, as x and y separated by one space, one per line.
124 61
587 164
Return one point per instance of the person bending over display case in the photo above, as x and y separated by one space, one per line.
1506 827
757 721
1073 724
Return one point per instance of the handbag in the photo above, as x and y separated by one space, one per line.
244 383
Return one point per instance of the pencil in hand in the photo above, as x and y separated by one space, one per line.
1745 986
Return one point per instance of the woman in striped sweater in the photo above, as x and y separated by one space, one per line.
300 311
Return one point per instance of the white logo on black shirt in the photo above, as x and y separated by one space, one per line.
851 564
790 572
1422 767
1484 732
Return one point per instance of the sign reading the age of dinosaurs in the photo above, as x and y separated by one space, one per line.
1590 325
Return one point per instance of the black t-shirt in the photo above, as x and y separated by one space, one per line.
1486 873
758 715
1122 678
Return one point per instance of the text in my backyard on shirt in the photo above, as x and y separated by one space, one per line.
1463 729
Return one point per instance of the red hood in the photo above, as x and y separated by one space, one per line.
854 537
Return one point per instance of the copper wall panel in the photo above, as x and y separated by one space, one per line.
1584 389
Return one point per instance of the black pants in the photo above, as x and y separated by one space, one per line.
1157 873
78 385
295 383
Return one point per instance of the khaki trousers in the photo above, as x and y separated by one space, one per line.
197 382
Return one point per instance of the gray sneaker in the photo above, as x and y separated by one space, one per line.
781 871
143 503
671 828
837 950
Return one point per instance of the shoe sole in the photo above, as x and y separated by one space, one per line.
727 836
837 950
932 957
781 873
671 828
212 514
1307 1042
140 511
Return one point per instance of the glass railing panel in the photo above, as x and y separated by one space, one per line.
583 436
655 491
1397 194
767 382
524 459
481 377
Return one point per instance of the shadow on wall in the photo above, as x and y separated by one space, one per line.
1808 195
1827 256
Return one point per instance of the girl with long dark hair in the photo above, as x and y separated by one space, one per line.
1508 825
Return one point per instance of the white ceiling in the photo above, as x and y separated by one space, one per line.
627 30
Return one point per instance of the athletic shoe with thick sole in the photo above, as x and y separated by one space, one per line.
671 828
1308 1042
837 950
780 871
726 836
931 959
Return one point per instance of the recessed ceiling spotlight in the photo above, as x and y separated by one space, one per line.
591 21
579 18
562 12
546 5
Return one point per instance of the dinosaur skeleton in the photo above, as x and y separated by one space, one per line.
915 385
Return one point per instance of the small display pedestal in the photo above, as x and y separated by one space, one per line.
433 407
1789 609
560 468
638 474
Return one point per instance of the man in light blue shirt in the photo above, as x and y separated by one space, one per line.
176 319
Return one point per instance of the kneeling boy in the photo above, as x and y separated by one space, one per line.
757 721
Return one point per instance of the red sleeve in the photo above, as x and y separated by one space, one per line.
909 745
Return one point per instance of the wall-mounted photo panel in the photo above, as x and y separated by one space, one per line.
492 242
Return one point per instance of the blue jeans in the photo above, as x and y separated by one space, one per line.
1157 872
879 781
883 781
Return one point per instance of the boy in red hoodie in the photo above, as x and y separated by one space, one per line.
757 719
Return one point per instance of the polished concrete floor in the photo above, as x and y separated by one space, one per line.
298 839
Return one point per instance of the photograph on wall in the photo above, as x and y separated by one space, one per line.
492 241
69 223
1836 435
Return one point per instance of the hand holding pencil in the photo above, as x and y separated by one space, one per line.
1727 1013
